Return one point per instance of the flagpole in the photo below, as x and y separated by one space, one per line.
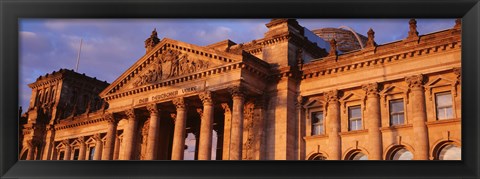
78 57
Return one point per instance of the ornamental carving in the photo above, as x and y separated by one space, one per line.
109 118
300 101
237 91
249 128
174 117
371 89
168 64
130 113
415 81
152 108
179 103
206 97
331 96
200 113
458 72
413 28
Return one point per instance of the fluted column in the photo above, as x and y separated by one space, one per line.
82 152
237 124
98 147
68 150
178 147
129 134
333 125
110 138
153 132
417 99
206 127
373 121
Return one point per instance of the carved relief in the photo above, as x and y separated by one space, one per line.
415 81
109 118
168 64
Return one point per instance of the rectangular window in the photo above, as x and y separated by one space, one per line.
92 152
397 115
61 156
317 123
444 105
354 118
75 154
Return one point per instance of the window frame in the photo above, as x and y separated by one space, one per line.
321 124
436 106
390 112
359 107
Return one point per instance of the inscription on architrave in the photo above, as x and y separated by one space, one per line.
169 94
168 64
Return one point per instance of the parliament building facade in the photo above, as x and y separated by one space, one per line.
281 97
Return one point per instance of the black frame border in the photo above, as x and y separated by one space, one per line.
11 11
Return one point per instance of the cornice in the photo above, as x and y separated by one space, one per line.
330 65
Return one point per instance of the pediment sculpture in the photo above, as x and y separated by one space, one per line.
168 64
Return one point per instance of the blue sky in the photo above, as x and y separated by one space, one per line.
110 46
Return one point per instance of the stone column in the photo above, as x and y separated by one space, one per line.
83 147
129 134
153 133
31 150
98 147
68 150
178 147
237 124
116 151
226 131
110 138
206 127
333 125
49 147
373 121
417 99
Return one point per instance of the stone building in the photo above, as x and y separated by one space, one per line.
281 97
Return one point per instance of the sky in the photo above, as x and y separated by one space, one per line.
110 46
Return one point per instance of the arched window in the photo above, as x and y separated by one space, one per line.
400 153
318 156
450 152
357 155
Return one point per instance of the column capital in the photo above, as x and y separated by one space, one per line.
152 108
179 103
206 97
371 89
331 96
415 81
130 113
237 91
109 118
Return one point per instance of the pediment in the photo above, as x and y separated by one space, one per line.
168 60
393 90
440 82
351 97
